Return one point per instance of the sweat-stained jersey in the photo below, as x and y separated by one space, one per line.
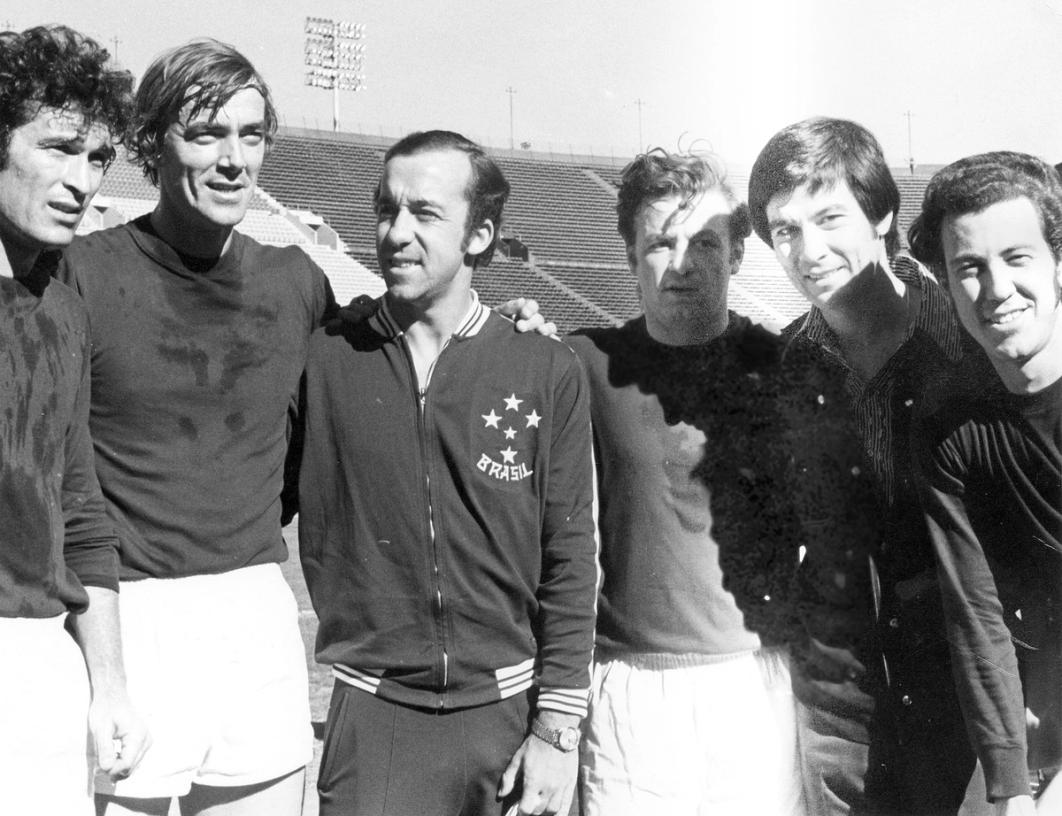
195 374
54 533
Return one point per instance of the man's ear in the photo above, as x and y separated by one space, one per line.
479 238
737 255
632 261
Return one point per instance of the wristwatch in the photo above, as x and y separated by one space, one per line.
563 739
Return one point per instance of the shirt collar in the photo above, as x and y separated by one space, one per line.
936 318
384 323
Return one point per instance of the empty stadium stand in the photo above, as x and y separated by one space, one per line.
126 195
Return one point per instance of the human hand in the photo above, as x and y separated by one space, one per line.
547 777
119 735
525 313
359 309
831 680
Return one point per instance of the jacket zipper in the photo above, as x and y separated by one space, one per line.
422 397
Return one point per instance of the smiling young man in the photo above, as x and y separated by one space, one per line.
445 522
199 340
62 103
691 708
991 228
880 726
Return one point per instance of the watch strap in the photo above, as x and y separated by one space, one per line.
554 736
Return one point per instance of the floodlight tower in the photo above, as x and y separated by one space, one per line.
334 56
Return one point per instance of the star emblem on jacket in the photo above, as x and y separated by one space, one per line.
506 436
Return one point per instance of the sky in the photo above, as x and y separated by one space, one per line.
610 76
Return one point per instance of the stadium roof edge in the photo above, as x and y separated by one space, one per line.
383 142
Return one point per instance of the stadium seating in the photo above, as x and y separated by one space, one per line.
126 195
559 241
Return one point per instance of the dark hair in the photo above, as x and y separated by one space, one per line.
657 174
57 67
487 188
819 152
203 73
970 185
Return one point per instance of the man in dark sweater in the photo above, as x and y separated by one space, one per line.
991 228
691 709
446 531
61 104
199 340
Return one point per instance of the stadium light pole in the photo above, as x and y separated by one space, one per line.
509 89
641 142
334 57
910 148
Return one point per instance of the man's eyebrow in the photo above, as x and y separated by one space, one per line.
71 136
970 255
779 221
202 124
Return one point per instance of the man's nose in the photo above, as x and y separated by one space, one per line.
232 155
82 177
398 228
812 243
998 282
680 258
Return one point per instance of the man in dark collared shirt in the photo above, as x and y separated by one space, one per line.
872 675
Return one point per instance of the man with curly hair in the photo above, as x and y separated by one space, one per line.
991 229
61 104
691 708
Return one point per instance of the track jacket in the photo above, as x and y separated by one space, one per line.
446 532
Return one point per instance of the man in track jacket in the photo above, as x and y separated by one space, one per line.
445 519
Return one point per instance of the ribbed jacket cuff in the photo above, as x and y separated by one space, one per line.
564 700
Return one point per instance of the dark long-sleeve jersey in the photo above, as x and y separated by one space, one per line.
447 533
993 494
195 377
54 535
696 562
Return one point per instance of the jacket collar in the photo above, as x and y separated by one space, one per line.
384 323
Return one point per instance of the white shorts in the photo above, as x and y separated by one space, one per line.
708 740
215 664
45 765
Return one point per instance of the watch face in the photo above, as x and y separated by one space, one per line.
568 739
